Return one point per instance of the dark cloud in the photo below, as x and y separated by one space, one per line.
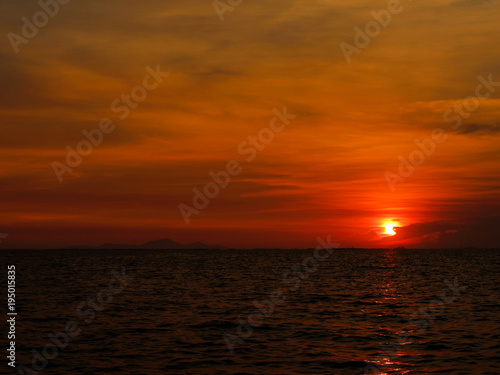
479 129
480 232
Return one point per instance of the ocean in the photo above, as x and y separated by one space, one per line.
254 312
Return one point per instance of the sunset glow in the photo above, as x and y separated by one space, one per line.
169 97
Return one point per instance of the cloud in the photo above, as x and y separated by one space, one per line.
371 235
480 129
460 3
475 232
324 173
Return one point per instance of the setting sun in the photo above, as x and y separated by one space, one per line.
389 229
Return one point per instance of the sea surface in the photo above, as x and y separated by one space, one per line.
197 312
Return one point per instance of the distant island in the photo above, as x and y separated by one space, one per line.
162 244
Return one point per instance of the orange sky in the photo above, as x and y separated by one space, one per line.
322 175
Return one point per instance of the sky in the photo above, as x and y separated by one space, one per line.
343 161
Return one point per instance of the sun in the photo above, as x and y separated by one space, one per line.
389 229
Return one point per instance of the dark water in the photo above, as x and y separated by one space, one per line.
171 318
